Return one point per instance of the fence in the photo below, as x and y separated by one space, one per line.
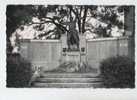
49 53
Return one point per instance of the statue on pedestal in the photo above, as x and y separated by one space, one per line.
72 36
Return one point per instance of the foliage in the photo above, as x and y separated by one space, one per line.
118 72
75 67
19 15
60 16
18 71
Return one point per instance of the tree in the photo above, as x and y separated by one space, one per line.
60 17
15 19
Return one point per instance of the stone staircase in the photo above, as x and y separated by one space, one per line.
68 80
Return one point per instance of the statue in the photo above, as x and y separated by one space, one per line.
72 36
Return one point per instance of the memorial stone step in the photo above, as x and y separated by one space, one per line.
68 80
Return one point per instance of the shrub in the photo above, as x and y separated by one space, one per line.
118 72
18 71
75 67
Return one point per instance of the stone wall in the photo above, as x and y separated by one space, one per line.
99 49
42 53
49 53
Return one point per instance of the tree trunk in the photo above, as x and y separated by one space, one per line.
84 19
79 20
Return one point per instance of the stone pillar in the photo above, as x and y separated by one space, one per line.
82 48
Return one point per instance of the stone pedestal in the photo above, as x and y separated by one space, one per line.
73 56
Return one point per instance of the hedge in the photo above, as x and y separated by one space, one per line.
18 71
118 72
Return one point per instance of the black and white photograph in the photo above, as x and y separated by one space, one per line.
70 46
